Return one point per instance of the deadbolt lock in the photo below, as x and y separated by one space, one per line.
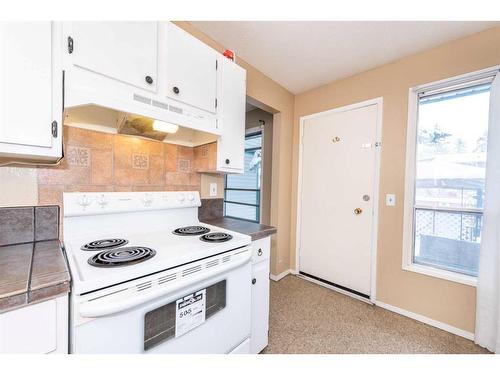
358 211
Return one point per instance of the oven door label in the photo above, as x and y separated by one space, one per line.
190 312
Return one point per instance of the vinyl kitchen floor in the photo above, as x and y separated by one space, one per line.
308 318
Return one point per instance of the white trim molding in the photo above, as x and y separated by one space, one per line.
280 276
379 102
434 323
411 138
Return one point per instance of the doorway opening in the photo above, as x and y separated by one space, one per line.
247 196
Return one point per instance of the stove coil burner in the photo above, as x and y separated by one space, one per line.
110 243
194 230
216 237
122 257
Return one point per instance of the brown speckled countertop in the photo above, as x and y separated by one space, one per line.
32 264
211 212
254 230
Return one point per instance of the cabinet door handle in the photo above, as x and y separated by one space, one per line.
228 161
149 79
176 90
254 280
259 252
54 129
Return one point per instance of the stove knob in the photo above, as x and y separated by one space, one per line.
147 199
191 197
102 201
181 197
84 201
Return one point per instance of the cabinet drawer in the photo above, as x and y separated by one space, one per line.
261 249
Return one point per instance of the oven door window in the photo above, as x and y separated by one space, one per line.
160 323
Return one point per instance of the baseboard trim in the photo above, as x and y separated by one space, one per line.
280 276
426 320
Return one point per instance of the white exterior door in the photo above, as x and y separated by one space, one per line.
338 188
125 51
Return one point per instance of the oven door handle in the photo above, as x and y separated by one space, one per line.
117 303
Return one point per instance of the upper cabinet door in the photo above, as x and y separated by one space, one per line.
125 51
191 70
26 112
231 144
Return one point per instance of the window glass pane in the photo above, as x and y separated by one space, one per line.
451 148
448 240
450 172
245 188
241 211
253 141
251 178
251 197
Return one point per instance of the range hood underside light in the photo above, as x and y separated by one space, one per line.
165 127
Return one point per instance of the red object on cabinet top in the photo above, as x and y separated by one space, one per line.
229 54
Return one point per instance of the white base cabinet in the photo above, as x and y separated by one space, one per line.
40 328
260 295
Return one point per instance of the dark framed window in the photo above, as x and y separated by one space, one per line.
242 191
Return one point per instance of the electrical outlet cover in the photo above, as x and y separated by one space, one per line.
213 189
390 199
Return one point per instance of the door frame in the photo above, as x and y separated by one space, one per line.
379 101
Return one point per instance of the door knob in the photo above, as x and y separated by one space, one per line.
336 139
358 211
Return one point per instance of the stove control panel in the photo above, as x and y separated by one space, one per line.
91 203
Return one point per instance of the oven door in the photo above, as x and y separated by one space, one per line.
211 314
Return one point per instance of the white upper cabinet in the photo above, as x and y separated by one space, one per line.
231 114
30 91
191 70
125 66
124 51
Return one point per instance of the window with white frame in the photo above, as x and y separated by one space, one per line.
447 149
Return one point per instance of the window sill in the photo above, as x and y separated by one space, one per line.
441 274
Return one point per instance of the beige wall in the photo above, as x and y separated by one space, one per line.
280 102
252 120
438 299
206 180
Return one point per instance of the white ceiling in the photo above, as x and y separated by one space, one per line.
301 55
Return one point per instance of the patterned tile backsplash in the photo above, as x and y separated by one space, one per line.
96 161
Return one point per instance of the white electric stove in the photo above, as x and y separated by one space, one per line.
148 277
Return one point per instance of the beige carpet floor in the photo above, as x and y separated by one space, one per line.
308 318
